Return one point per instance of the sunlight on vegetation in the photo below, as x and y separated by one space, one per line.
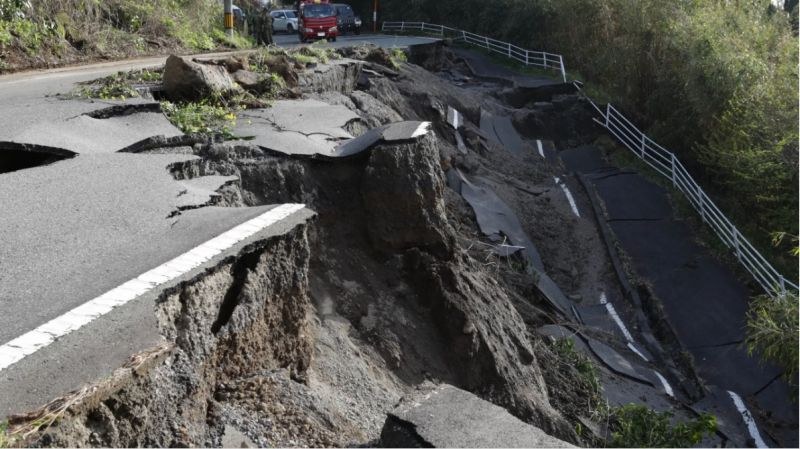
635 425
201 118
772 332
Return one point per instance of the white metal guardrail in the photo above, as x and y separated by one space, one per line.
543 59
660 159
667 164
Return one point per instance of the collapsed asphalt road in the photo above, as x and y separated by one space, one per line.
77 229
439 249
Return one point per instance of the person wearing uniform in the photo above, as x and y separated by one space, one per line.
262 27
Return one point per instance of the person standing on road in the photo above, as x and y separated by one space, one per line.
262 27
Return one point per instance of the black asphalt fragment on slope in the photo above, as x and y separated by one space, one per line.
496 219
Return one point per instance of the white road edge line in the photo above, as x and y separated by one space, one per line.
633 349
613 312
665 384
539 146
752 428
569 196
421 130
30 342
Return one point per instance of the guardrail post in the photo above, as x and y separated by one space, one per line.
644 147
486 39
783 285
544 59
527 58
464 35
563 69
608 113
672 172
509 49
402 26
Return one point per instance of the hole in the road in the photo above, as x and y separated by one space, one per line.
15 156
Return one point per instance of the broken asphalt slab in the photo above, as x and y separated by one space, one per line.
500 130
83 126
450 417
496 219
299 128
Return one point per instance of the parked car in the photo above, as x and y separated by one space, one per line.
284 20
346 19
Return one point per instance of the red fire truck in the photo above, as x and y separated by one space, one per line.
317 20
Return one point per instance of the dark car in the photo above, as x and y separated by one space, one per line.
346 19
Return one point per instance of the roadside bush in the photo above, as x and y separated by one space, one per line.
772 332
635 425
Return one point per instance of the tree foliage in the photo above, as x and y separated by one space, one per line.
772 332
713 80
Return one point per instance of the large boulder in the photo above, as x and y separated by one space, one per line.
185 79
446 416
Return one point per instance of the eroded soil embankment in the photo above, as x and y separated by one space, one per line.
248 314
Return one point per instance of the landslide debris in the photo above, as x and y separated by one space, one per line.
311 339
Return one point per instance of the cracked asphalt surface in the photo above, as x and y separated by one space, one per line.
79 227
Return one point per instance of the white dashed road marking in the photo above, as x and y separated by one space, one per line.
752 428
613 312
569 196
25 345
665 384
633 349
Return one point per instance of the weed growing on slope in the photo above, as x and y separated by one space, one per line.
635 425
573 384
398 56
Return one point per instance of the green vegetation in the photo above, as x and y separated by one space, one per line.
635 425
4 438
398 56
201 118
714 81
772 332
573 383
120 85
39 32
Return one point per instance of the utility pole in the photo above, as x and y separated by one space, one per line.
229 17
375 16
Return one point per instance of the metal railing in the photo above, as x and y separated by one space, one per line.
543 59
660 159
667 164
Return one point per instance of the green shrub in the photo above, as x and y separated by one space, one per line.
772 332
635 425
